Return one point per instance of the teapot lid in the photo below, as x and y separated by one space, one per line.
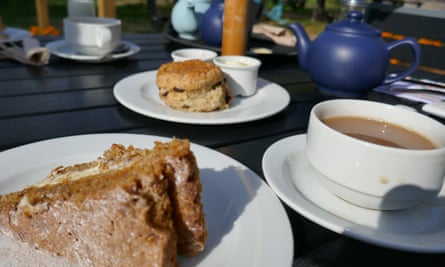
353 24
353 2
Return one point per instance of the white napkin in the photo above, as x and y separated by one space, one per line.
30 52
278 35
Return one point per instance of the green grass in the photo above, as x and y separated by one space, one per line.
135 17
304 15
22 14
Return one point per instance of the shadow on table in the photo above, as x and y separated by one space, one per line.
417 226
424 222
419 232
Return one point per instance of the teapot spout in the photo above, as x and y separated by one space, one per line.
303 43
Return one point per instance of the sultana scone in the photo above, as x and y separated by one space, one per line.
193 85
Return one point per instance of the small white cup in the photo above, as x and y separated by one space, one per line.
91 35
241 73
371 175
193 53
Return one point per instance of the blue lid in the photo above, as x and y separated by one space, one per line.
353 2
353 24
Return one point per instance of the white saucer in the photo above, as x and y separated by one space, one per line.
14 34
247 225
419 229
139 93
62 49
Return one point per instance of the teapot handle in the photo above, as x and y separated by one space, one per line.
415 48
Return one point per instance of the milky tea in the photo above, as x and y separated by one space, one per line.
379 132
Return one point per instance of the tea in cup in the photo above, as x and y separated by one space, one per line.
91 35
376 155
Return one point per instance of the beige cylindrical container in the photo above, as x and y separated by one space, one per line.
234 37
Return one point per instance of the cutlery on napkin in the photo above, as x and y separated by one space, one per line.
431 93
414 91
30 52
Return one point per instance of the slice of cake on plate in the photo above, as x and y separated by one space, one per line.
130 207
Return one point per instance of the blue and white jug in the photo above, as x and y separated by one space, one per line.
186 16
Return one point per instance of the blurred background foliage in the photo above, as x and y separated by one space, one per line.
135 16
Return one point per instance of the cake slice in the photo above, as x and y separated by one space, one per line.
121 210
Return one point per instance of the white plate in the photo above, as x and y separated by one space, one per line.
62 49
14 34
247 225
420 229
139 93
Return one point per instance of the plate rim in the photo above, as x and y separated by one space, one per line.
323 217
122 85
285 237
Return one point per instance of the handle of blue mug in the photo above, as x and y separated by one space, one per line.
415 48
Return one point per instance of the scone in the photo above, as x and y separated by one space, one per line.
130 207
193 85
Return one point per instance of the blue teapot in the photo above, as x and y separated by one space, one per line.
349 57
186 16
211 25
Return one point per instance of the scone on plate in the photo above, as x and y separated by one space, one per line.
193 85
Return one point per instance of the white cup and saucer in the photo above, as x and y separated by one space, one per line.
382 183
92 35
92 39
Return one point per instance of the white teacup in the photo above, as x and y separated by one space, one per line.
241 73
92 35
373 175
